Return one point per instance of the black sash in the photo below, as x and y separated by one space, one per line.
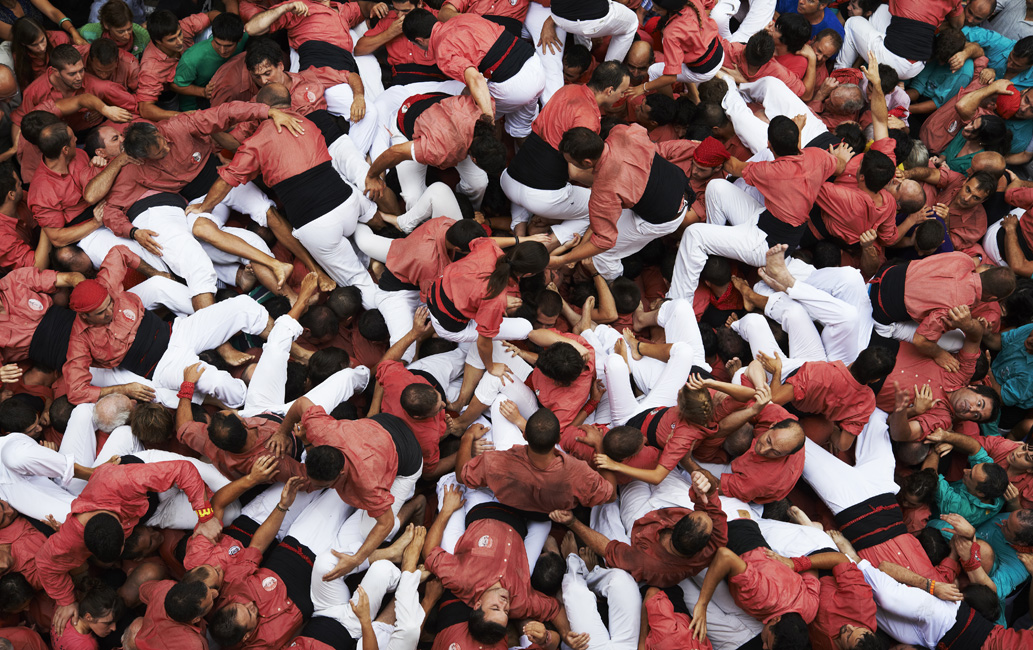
390 282
511 25
508 515
292 561
329 632
505 58
49 344
711 59
201 183
410 73
1002 245
83 217
580 9
872 522
970 630
410 456
443 309
151 342
667 192
910 39
538 165
780 232
329 125
413 107
648 422
301 204
432 380
317 54
887 295
155 200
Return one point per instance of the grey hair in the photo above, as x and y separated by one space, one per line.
919 156
6 645
855 103
111 412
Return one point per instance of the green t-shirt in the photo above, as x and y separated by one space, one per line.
93 31
196 67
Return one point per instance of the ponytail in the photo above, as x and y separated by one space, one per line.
529 257
499 278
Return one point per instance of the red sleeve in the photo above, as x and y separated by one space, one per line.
1020 197
490 313
195 23
162 476
670 629
592 489
193 435
244 167
15 253
77 372
221 118
54 562
474 474
115 266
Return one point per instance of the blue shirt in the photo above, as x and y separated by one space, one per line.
996 48
1013 368
939 84
954 498
830 19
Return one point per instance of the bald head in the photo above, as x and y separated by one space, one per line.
988 161
274 95
129 636
8 85
639 58
846 99
111 412
910 196
977 11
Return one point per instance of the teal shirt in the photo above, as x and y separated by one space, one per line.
92 31
939 84
1013 368
996 49
954 498
197 66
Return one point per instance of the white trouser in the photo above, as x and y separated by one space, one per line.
728 627
633 234
159 291
687 76
246 198
912 616
993 252
620 590
391 100
567 203
619 22
758 13
637 498
552 61
841 486
374 246
398 309
348 161
174 507
99 243
104 377
183 254
804 341
80 441
511 329
868 35
412 177
366 132
206 330
326 238
678 319
951 341
777 100
517 97
624 405
26 470
259 508
318 523
438 200
446 368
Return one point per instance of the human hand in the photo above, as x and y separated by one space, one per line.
421 323
698 625
576 641
549 42
702 485
193 372
62 615
987 76
924 399
762 396
375 187
284 120
502 371
769 363
958 525
146 238
597 390
480 443
116 114
289 492
947 361
345 564
279 445
263 470
452 499
565 517
947 591
1011 493
211 529
868 238
360 604
138 391
358 108
10 373
593 437
536 632
871 71
696 382
1010 222
602 461
771 555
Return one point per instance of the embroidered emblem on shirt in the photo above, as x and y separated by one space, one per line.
486 542
129 314
269 583
196 156
234 550
35 304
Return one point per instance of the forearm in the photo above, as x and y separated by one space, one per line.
70 234
41 256
184 413
651 476
1013 254
191 91
663 81
370 44
903 575
101 184
150 111
376 401
737 392
355 83
436 532
376 536
447 12
869 261
478 86
900 427
734 421
591 537
925 346
969 104
929 175
369 637
390 158
261 23
484 351
880 112
266 533
962 442
583 250
216 194
464 454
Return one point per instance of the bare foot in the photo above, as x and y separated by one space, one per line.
246 279
800 517
283 272
233 356
589 557
621 348
844 545
397 548
731 319
309 292
569 545
586 316
751 300
633 344
326 283
770 281
733 365
775 267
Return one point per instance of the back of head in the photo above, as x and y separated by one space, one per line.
224 627
114 14
609 74
790 633
5 644
542 431
997 282
690 536
320 321
274 95
873 364
483 631
345 301
984 600
418 24
373 327
948 42
918 156
986 181
104 537
626 295
112 411
140 138
623 442
695 405
324 463
878 170
34 123
712 91
849 98
227 432
1023 49
261 51
15 593
929 235
759 49
100 599
795 31
486 150
852 135
64 55
561 362
16 416
711 115
993 134
577 56
60 412
419 400
104 51
161 24
549 302
934 545
869 641
581 143
662 109
995 483
462 232
791 430
152 423
784 136
228 27
326 362
547 576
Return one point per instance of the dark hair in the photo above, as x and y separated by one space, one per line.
99 599
993 135
486 150
1023 49
995 483
870 641
345 302
873 364
759 49
1025 535
140 139
888 78
419 400
345 411
320 320
984 600
689 536
15 591
836 37
990 395
626 295
576 56
418 24
24 32
877 169
296 377
114 13
373 327
152 423
717 270
986 182
623 442
54 138
851 133
549 302
921 485
526 257
934 544
542 431
947 43
483 631
581 143
228 27
104 51
462 232
790 633
547 576
227 432
561 362
784 136
325 362
161 24
608 74
224 626
262 50
104 537
34 122
324 463
662 109
795 31
64 55
711 115
16 416
929 235
998 281
60 412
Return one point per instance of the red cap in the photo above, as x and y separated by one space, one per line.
87 296
1008 105
711 153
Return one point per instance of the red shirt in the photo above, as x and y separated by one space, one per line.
73 639
675 436
489 552
23 638
790 184
279 618
827 388
1000 449
443 133
329 23
121 489
25 541
232 81
461 43
735 56
14 251
234 466
457 637
932 13
680 153
127 68
647 561
914 368
466 284
936 284
516 9
159 632
758 478
237 561
157 69
42 89
371 461
1022 197
687 37
769 588
565 402
945 123
570 106
967 227
565 484
277 156
668 628
847 212
56 199
308 94
394 378
421 257
621 176
845 599
400 50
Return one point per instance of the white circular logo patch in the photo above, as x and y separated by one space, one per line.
234 550
486 542
310 96
196 156
269 583
35 304
129 314
952 127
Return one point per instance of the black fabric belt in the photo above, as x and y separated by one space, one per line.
413 107
390 282
328 631
443 309
293 561
666 194
1002 244
580 9
508 515
331 126
538 165
744 535
872 522
168 199
49 344
970 631
780 232
887 294
201 183
317 54
403 74
302 203
410 456
83 217
647 422
242 529
149 345
505 58
714 55
910 39
511 25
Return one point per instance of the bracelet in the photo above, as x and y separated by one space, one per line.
590 406
132 232
593 276
517 238
281 509
974 562
204 514
66 18
932 587
186 390
801 564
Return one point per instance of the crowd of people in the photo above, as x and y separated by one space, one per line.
470 324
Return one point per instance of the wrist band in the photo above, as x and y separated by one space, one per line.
204 514
66 18
281 508
973 562
594 276
932 586
132 232
590 406
517 238
186 390
801 564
